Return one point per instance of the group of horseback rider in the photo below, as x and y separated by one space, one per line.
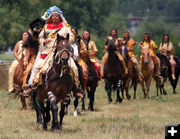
57 24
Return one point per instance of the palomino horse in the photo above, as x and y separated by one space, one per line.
166 71
148 70
113 72
57 87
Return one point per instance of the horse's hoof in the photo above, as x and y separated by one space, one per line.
128 97
164 92
56 129
45 127
120 100
83 108
75 114
91 108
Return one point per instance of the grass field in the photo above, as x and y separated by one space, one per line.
134 119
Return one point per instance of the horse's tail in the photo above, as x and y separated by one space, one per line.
132 83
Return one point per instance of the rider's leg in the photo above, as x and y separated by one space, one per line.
11 76
104 59
73 66
156 62
25 74
122 61
173 64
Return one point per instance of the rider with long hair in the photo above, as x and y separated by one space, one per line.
129 43
82 53
166 48
147 42
20 50
113 36
91 49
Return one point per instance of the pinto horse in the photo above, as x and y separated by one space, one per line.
57 86
166 71
113 72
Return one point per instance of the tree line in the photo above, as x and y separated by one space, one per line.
97 16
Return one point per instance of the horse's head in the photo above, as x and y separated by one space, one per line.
36 26
145 54
111 45
62 50
165 64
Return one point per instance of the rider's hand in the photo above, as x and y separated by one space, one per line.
46 41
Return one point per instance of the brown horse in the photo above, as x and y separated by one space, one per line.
18 81
113 72
132 73
57 86
132 76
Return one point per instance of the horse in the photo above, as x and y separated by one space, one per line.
18 81
148 71
132 74
166 71
32 42
89 84
56 87
113 72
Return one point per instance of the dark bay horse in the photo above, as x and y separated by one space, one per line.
113 72
91 84
57 86
166 71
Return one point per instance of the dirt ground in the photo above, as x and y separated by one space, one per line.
3 76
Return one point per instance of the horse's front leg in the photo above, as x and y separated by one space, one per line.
91 98
76 107
23 102
135 88
61 114
127 89
54 108
148 83
143 88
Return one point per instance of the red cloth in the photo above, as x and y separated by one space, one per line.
43 56
52 26
99 73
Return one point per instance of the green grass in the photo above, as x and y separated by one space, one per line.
134 119
6 56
